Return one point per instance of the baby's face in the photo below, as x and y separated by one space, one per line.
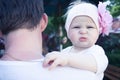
83 32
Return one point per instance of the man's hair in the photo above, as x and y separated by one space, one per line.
18 14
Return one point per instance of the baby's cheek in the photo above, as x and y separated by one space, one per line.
73 39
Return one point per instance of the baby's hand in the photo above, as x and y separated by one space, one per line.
55 59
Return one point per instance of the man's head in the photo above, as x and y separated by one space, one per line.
18 14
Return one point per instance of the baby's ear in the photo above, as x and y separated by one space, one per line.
44 22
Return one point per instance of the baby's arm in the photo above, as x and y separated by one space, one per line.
94 61
82 61
86 62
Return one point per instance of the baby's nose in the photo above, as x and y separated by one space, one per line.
83 31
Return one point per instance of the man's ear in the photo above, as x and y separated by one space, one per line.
44 22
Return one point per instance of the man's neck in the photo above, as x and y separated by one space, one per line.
23 45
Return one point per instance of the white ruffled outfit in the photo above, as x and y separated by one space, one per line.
99 55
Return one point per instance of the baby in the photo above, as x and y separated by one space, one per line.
84 23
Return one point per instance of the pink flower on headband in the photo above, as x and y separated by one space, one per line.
105 19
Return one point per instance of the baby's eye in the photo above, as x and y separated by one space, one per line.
90 27
76 27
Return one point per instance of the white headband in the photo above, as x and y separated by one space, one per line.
86 9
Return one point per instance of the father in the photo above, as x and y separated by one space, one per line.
22 23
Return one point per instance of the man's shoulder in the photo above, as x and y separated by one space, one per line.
69 73
35 71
